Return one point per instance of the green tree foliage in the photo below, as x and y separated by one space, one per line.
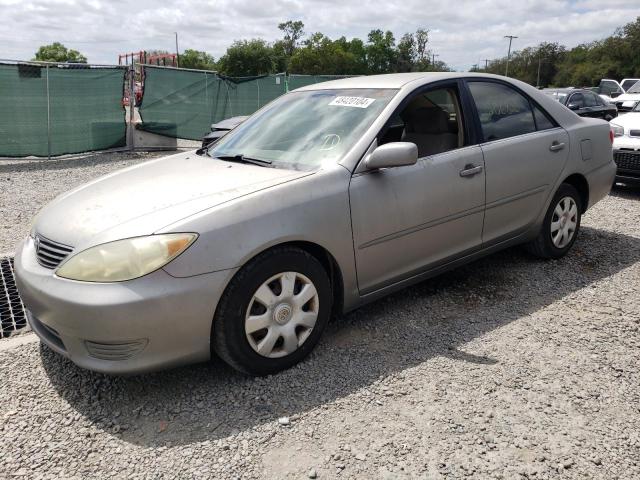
293 32
320 55
197 60
57 52
249 57
614 57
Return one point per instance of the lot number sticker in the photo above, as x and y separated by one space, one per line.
358 102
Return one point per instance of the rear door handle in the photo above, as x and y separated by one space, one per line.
470 170
555 146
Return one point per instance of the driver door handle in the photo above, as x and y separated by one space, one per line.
470 170
555 146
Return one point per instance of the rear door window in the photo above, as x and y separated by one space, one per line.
503 111
590 100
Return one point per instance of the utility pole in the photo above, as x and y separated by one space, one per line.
486 64
434 59
538 81
510 37
177 54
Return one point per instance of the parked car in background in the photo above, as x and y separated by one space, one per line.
626 146
628 101
220 129
584 102
328 198
610 89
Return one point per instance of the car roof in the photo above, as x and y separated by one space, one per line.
393 80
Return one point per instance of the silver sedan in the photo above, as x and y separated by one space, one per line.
327 198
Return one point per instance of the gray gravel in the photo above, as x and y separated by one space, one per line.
509 367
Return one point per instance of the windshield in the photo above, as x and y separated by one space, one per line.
303 130
635 88
636 108
627 84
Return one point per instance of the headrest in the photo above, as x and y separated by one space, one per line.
427 120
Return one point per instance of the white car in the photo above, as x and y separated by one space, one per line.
610 90
628 100
626 146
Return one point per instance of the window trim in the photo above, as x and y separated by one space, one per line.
478 126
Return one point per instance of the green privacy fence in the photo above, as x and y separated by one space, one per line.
184 103
55 109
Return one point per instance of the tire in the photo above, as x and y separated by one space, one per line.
244 325
546 244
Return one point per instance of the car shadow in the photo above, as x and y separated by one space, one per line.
631 192
434 318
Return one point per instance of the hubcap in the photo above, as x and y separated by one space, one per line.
281 314
564 222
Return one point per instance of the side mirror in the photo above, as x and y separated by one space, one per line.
574 106
394 154
615 94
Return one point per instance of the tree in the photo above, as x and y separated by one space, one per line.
197 60
381 51
57 52
248 58
293 32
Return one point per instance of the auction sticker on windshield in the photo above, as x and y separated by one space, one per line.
358 102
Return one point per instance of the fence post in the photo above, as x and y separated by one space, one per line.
132 104
48 115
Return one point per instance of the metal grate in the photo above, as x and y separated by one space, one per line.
50 254
12 314
627 160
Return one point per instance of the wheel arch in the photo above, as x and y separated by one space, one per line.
579 182
328 261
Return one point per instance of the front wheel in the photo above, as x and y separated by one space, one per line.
561 224
273 312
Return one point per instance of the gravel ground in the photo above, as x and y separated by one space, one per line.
509 367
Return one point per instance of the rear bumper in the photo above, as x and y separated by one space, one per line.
600 182
150 323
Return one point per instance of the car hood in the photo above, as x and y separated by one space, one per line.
625 97
142 199
628 121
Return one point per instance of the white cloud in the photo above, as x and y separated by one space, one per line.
462 33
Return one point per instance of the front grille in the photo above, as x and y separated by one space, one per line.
627 160
12 314
115 351
50 254
634 133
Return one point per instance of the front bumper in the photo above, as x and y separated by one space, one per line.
628 164
150 323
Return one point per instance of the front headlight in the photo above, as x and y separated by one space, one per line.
618 130
125 259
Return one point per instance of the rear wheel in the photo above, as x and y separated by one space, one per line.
561 224
273 312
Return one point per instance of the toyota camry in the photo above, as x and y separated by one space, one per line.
329 197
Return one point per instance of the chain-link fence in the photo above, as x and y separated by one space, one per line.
51 109
184 103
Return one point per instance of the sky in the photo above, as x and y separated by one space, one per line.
462 32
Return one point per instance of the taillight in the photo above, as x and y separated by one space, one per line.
611 135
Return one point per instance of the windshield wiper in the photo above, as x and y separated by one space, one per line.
242 159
